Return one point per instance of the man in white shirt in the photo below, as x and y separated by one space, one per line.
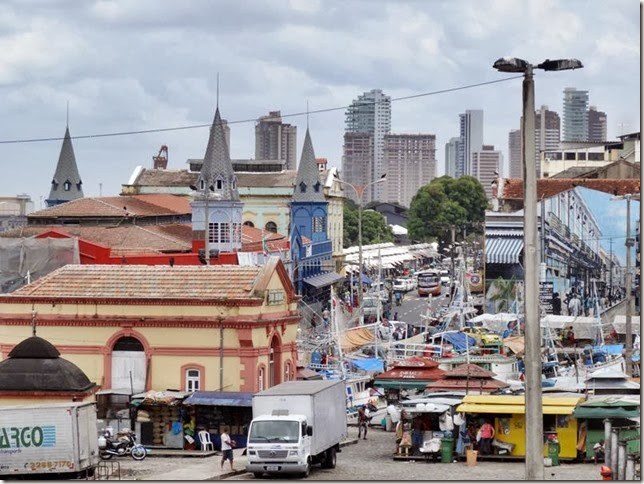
226 448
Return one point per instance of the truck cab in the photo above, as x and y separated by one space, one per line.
279 444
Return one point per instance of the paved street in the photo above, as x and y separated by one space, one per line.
371 460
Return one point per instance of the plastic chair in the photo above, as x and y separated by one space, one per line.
204 438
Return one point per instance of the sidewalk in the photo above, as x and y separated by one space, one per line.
196 466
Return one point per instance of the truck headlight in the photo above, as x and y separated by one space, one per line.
251 452
292 452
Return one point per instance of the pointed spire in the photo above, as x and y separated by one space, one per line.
217 169
308 187
66 184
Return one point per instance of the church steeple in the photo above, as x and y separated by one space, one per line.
307 185
216 208
66 184
217 169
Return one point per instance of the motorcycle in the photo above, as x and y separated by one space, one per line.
123 444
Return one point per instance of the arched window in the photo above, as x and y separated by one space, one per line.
67 185
260 379
202 184
128 343
248 223
193 377
219 184
271 368
287 371
271 227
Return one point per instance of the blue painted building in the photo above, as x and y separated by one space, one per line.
311 248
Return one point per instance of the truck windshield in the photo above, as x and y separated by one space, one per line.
274 431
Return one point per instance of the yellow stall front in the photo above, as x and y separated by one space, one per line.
507 415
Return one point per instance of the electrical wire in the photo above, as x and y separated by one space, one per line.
243 121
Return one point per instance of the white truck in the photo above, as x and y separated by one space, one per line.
296 424
56 439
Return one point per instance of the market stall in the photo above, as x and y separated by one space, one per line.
408 376
214 410
160 418
506 413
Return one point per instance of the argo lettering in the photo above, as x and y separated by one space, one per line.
21 437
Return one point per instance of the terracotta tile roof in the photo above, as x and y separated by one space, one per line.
129 239
549 187
145 282
166 178
473 385
474 371
185 178
136 205
122 239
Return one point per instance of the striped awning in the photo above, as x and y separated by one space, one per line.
503 250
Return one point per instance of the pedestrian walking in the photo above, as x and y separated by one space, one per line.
227 448
363 421
556 304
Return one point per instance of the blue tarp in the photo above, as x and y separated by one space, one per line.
610 349
224 399
366 279
369 364
458 340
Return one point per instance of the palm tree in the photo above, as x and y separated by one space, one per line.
502 293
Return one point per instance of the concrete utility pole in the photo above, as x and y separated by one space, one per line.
628 350
533 397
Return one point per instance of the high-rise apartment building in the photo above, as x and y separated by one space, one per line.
575 115
597 125
514 151
547 132
370 114
275 140
485 166
410 163
451 156
471 140
357 162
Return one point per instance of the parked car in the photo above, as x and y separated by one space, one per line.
483 336
445 278
404 284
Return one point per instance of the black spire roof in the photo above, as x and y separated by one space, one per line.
217 169
67 184
307 185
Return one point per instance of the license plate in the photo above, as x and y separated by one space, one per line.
272 468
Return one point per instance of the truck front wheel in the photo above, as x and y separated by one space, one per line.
329 459
307 471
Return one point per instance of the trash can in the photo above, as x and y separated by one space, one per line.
447 450
553 452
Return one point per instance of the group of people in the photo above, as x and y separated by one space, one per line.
480 438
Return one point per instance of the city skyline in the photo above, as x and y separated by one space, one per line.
130 67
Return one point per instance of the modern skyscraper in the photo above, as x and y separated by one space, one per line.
597 125
370 114
471 140
275 140
451 156
485 164
66 184
411 163
357 162
547 133
514 150
575 115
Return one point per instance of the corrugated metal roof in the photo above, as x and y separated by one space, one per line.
548 187
145 282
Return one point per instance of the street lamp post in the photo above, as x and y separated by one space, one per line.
359 190
534 412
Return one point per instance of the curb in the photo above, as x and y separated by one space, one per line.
226 475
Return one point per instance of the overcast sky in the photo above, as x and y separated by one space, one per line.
127 65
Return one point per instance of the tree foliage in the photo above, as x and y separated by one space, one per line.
374 226
444 203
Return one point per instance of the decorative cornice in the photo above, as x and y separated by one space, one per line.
226 302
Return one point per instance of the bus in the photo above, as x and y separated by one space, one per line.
429 282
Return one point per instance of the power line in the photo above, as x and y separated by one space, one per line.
242 121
